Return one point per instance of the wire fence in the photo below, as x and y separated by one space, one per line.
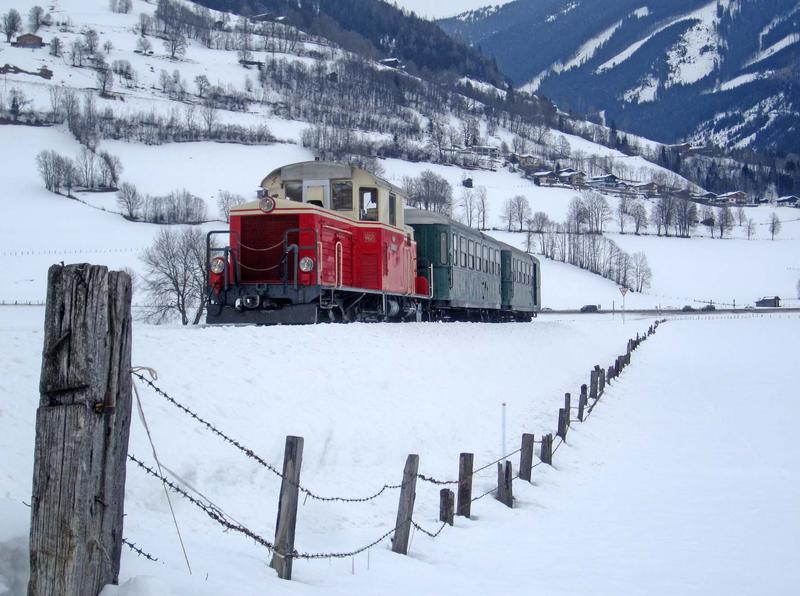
228 523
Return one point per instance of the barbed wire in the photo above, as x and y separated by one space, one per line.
255 457
138 550
209 510
433 534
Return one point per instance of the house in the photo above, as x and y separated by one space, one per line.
544 178
646 188
486 151
738 197
789 201
608 180
28 40
527 161
571 177
391 62
769 302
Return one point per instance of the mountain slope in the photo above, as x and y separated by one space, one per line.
723 71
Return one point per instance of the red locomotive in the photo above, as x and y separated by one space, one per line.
325 242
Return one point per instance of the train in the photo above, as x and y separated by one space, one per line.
330 242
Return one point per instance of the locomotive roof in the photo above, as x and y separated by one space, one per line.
326 170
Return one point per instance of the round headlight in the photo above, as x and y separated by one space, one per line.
217 265
306 264
266 204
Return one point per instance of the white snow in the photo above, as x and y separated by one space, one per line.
679 466
784 43
442 10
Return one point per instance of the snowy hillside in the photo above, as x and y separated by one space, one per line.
644 64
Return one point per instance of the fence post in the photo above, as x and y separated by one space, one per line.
610 374
546 451
593 384
602 381
446 503
287 508
568 406
581 405
504 491
563 415
405 508
526 457
465 462
82 430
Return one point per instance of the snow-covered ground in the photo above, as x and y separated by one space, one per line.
684 465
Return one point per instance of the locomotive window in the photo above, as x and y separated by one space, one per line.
368 204
463 252
294 191
393 210
342 195
455 249
443 248
471 254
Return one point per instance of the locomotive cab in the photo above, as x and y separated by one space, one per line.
324 240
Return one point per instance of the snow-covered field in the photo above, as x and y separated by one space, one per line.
687 464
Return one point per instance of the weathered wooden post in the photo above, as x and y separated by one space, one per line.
82 430
593 376
526 457
602 381
563 415
568 406
287 508
446 505
546 449
610 374
465 463
582 404
504 479
405 508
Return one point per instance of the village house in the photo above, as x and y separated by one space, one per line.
769 302
738 197
788 201
570 176
649 189
544 178
605 181
28 40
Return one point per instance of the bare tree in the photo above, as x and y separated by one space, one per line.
431 192
175 275
105 78
209 115
202 84
685 217
508 213
91 40
226 201
129 200
638 214
175 43
110 169
12 23
143 45
774 225
521 210
750 228
108 46
468 208
707 219
17 102
642 275
741 217
56 47
482 206
35 18
623 212
724 220
77 52
598 211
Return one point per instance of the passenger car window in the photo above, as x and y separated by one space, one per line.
463 252
443 248
342 195
471 254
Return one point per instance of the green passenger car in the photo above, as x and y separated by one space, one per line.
465 266
520 285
